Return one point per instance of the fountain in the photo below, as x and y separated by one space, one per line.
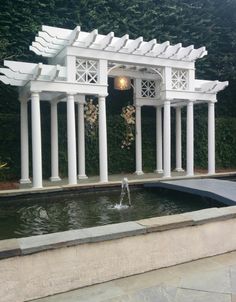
124 191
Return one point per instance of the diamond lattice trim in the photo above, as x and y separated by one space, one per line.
148 88
86 71
179 79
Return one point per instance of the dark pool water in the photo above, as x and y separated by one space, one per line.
22 218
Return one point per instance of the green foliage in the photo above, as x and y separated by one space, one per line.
200 22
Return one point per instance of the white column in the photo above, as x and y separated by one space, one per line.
103 165
71 140
178 140
159 168
81 137
24 142
54 143
138 141
167 139
211 138
36 140
190 140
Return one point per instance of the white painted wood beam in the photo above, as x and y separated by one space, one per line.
160 49
56 32
49 39
15 75
196 54
40 53
171 51
12 82
183 52
38 71
91 38
43 49
134 45
124 58
47 45
121 43
148 47
55 73
75 35
107 40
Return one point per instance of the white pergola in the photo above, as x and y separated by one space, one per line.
79 64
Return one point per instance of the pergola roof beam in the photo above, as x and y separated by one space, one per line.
59 33
160 48
121 43
171 50
55 73
106 41
43 49
75 35
148 47
41 53
38 71
91 38
12 82
184 51
52 40
48 45
134 45
15 75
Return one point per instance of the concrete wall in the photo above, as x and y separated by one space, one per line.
60 269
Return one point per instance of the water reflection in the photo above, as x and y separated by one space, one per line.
55 214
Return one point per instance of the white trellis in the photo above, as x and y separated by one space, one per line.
79 65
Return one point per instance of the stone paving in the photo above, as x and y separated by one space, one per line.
211 279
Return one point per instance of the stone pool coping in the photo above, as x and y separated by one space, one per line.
30 245
94 185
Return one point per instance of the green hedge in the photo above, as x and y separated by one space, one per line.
120 160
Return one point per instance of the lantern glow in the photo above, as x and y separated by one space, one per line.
122 83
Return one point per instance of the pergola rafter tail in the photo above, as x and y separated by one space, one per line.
51 41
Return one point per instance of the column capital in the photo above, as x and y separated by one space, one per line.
103 95
54 102
71 94
23 100
80 99
35 93
212 102
190 101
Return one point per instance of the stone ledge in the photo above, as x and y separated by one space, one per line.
40 243
9 248
163 223
35 244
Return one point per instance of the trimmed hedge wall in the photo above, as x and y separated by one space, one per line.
120 160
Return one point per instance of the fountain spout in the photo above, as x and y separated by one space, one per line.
125 190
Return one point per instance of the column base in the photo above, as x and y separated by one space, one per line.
82 176
166 175
103 181
25 181
189 175
179 170
211 172
138 172
54 178
160 171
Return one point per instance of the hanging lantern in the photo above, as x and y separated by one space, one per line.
122 83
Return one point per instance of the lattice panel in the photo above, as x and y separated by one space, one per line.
86 71
148 89
179 79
